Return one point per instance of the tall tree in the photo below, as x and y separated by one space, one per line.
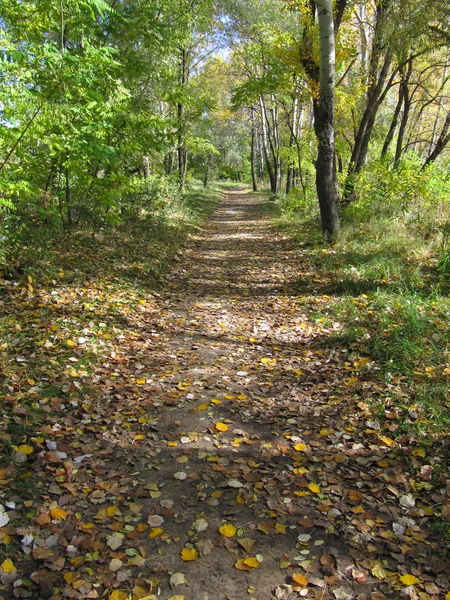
326 184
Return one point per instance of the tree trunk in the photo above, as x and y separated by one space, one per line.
252 153
394 123
146 166
326 184
381 54
265 145
291 171
443 140
404 84
182 152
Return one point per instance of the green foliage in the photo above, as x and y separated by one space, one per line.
420 197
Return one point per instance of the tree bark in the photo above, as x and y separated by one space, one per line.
394 123
326 184
265 145
407 97
443 140
252 153
182 152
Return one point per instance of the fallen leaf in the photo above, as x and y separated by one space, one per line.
115 540
155 520
252 562
26 449
313 487
4 517
155 532
409 580
188 554
117 595
115 564
300 447
228 530
221 427
177 579
378 571
58 514
300 579
7 566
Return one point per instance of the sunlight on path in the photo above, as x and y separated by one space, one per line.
227 453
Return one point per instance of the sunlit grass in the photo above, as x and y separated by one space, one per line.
385 289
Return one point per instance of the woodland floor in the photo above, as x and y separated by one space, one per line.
222 406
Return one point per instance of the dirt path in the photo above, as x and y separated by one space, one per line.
238 416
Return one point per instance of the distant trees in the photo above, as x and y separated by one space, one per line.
97 96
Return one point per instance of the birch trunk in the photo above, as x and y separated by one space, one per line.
324 123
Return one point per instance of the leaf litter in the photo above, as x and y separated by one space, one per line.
290 486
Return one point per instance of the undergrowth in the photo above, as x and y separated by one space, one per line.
383 285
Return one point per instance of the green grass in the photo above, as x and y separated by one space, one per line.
382 283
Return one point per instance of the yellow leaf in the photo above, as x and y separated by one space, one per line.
116 595
358 510
300 579
70 576
73 374
313 487
419 452
228 530
325 432
241 566
172 444
447 597
155 532
188 554
112 510
6 540
242 397
300 447
378 571
409 580
25 448
362 362
138 437
216 401
386 440
140 381
58 513
280 528
221 427
301 471
252 340
217 494
251 562
202 407
8 566
70 343
177 597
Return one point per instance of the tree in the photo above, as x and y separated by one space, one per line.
327 191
